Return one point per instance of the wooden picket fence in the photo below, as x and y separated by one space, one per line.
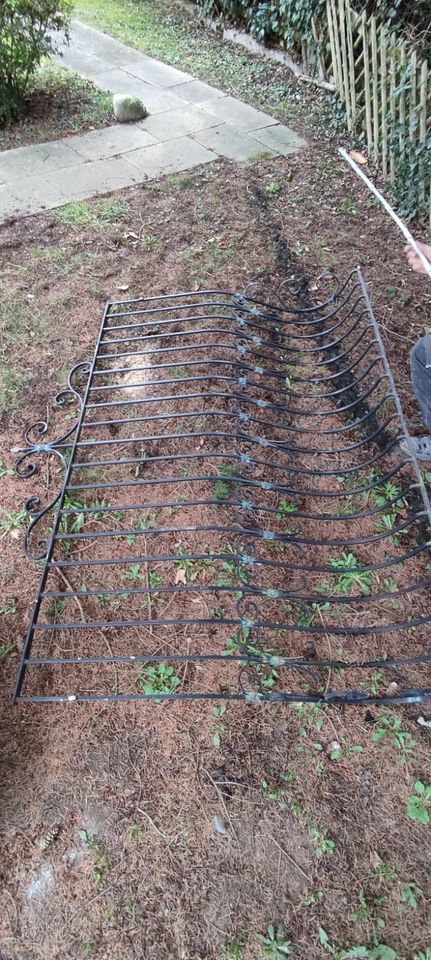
386 90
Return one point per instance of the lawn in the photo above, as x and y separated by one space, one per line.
176 831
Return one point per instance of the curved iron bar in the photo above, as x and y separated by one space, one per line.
26 465
266 594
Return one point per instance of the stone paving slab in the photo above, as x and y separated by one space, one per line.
40 158
194 91
158 74
112 141
32 195
94 178
170 157
190 123
182 122
281 139
227 142
237 114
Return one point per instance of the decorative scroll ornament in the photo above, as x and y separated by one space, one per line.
26 465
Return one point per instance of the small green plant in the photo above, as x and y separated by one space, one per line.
191 569
234 949
273 942
10 521
158 678
9 608
150 240
233 570
419 803
73 522
102 864
274 188
5 471
322 842
423 956
5 651
409 894
134 573
351 576
286 508
391 726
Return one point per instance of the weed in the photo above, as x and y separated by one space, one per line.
5 471
409 894
234 950
224 485
100 856
155 580
149 240
134 573
274 188
322 843
191 568
233 570
390 726
286 507
217 713
273 942
313 898
312 714
71 523
419 802
349 206
5 650
9 608
160 678
133 832
10 521
351 575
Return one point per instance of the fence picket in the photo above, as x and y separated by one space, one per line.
385 91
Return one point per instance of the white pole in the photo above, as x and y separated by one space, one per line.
425 263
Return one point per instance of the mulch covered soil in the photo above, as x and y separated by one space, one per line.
166 830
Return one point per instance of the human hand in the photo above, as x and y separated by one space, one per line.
413 259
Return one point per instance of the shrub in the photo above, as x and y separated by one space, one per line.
27 29
287 22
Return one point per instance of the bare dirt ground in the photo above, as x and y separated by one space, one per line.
110 846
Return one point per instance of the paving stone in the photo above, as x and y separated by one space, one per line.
111 141
95 177
155 99
27 196
279 138
101 45
157 73
231 143
170 157
37 159
178 123
237 114
81 62
194 91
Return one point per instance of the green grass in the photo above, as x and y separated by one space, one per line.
83 214
59 102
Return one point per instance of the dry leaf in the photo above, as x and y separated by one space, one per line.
358 157
123 287
180 576
375 860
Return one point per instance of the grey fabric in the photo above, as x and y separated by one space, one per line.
420 367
